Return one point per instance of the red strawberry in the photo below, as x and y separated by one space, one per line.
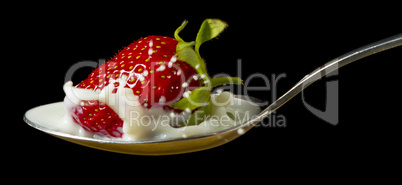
152 71
159 70
97 117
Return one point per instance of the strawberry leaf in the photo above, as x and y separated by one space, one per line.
198 116
178 30
182 44
209 29
225 80
197 98
187 54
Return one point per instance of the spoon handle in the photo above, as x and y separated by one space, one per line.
333 65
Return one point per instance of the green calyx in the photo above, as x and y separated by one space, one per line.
200 99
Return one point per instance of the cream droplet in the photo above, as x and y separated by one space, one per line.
240 131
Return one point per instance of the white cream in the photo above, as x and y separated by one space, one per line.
147 124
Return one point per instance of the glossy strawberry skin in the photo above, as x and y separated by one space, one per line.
97 117
151 69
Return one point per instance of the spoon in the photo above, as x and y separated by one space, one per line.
203 142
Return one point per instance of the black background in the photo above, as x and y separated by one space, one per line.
289 39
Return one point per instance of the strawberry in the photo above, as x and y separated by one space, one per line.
151 69
161 71
95 116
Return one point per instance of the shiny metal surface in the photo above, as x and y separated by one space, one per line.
192 144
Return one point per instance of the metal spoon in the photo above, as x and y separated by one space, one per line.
192 144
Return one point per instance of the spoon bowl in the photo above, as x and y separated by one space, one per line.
38 117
